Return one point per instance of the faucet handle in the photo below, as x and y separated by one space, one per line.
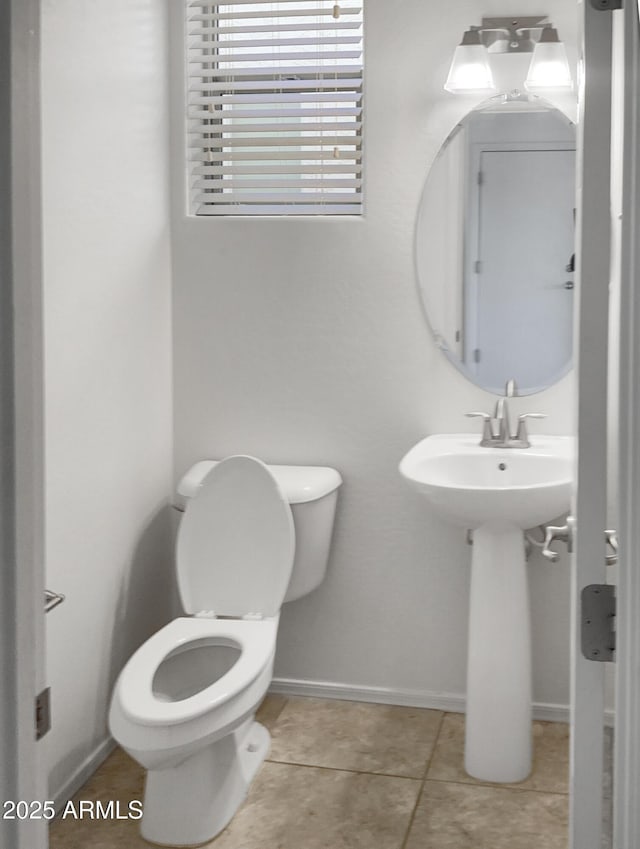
524 416
487 432
521 433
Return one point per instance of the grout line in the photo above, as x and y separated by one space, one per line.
435 745
422 783
513 788
445 713
346 769
412 817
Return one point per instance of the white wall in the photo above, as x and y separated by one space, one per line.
108 350
303 341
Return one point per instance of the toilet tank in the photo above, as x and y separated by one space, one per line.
312 492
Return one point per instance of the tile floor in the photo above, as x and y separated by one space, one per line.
347 775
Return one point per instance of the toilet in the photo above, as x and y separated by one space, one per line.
252 537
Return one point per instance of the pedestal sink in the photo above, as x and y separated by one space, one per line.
497 492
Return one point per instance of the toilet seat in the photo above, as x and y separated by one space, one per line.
236 542
255 639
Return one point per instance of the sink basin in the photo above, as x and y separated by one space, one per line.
497 492
473 486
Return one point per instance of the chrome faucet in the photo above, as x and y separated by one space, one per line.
496 429
501 418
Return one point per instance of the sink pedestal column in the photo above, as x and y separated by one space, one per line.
498 721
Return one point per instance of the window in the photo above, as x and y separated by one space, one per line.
275 107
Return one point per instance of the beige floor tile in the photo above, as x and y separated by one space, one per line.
459 816
122 779
288 807
307 807
270 709
296 807
550 771
381 739
119 779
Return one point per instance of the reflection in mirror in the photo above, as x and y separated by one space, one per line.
494 244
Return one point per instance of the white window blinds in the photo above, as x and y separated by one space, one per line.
275 107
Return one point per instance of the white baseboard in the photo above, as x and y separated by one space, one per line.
379 695
451 702
83 773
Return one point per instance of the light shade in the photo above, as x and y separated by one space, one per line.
470 72
549 68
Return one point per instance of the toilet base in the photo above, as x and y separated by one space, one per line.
190 803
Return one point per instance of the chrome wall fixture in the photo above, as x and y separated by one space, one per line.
470 71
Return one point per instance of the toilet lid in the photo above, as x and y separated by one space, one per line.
236 542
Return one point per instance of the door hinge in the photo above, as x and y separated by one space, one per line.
598 622
476 355
606 5
480 178
477 266
43 713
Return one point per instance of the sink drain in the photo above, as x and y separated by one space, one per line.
502 466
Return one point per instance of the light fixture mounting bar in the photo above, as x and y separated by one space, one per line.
513 33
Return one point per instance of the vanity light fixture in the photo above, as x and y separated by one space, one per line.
549 66
470 71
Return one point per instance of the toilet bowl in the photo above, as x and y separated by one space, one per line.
184 704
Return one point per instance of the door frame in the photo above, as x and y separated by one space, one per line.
23 771
587 677
593 250
627 722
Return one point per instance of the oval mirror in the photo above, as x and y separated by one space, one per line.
495 244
